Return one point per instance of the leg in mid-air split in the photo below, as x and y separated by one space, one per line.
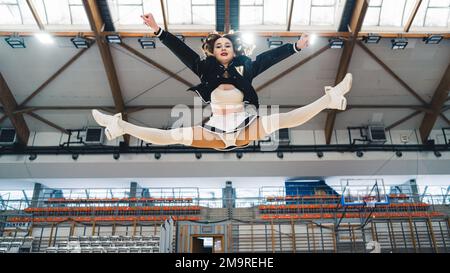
266 125
201 138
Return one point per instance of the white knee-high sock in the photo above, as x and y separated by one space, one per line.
295 117
182 135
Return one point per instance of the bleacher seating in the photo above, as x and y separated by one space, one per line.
10 244
107 244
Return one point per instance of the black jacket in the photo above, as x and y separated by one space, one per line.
241 71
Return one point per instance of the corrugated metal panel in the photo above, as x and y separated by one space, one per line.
347 15
106 15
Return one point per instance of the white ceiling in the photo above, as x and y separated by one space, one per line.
85 83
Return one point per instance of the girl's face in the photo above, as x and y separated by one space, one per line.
223 50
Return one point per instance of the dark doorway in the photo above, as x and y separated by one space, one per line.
202 244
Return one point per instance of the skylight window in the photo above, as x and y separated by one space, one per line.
267 12
61 12
15 12
275 13
395 14
126 13
314 13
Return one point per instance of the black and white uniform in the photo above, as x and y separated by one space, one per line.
228 126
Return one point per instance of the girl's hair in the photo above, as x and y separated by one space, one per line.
239 47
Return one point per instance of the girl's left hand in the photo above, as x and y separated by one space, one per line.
303 42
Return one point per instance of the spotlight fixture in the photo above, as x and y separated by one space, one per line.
433 39
398 153
80 42
239 155
198 155
147 42
312 39
32 157
319 154
116 156
75 156
359 154
180 36
248 38
113 39
280 155
372 38
15 42
399 43
157 156
44 38
437 154
336 43
274 42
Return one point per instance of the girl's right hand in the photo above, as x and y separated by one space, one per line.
149 20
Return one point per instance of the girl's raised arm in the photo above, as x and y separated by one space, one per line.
188 56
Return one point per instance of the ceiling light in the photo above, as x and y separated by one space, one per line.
113 39
399 43
44 38
157 156
312 39
336 43
274 42
239 155
15 42
147 42
372 38
198 155
116 156
433 39
75 156
248 38
80 42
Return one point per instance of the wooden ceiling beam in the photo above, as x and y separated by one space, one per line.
202 34
437 102
9 106
357 19
291 9
392 73
398 122
412 16
54 76
157 65
163 10
51 124
97 26
292 68
35 15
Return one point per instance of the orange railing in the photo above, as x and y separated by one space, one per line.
102 219
300 197
110 209
353 215
116 200
337 206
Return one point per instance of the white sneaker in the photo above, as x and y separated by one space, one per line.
338 101
111 123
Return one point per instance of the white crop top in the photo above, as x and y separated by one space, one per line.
229 99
